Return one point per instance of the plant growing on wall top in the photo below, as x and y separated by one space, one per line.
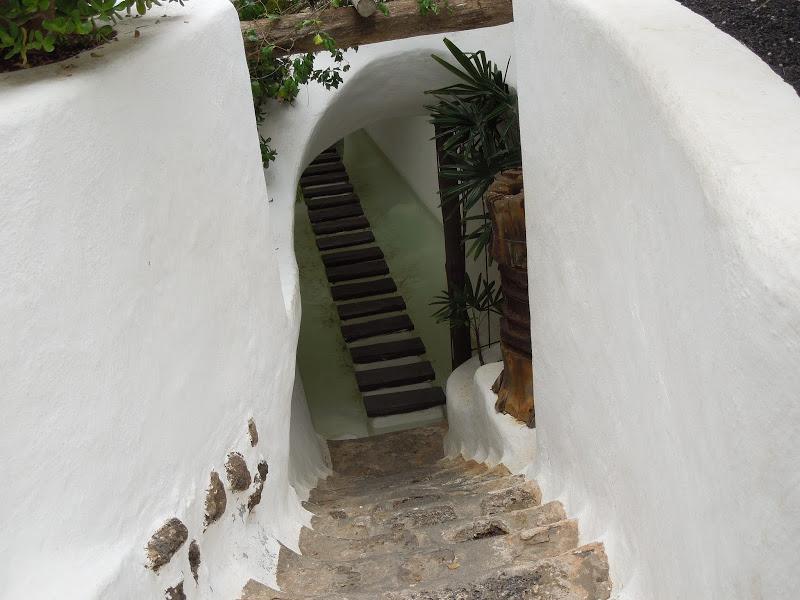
276 74
40 31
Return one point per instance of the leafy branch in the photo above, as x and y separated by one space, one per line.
469 307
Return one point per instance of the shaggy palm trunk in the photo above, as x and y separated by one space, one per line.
505 205
455 261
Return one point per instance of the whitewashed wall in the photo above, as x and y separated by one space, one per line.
408 144
662 169
386 81
143 320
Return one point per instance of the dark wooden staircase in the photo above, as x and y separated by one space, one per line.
391 371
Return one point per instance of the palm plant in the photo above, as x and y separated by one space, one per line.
470 307
478 121
477 126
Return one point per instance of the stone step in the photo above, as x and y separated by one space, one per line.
363 289
367 329
580 574
367 499
397 403
440 474
443 470
369 308
373 268
396 571
422 510
345 211
331 201
389 453
328 189
345 240
340 225
316 544
349 257
388 377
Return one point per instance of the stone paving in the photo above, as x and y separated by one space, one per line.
397 521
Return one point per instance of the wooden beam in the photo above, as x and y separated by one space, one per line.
404 21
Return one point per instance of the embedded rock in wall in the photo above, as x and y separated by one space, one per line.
194 558
261 477
263 470
216 499
253 431
165 543
238 474
505 204
175 593
255 498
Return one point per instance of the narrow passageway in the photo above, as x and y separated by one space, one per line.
389 359
398 521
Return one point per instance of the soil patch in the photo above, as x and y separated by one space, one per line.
770 28
70 46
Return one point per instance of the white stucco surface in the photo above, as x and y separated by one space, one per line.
386 80
408 143
476 429
143 320
150 304
662 169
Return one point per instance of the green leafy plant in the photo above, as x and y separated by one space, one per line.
274 73
478 121
477 126
470 307
36 27
433 7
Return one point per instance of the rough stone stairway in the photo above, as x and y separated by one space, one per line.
397 521
390 366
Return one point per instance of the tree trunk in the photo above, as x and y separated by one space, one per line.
349 29
455 263
505 204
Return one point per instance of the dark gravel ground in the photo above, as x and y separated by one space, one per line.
770 28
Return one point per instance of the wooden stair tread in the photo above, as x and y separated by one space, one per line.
369 308
367 329
373 268
340 225
348 257
345 240
322 178
328 189
327 155
320 215
387 377
363 289
331 201
328 159
395 403
326 167
371 353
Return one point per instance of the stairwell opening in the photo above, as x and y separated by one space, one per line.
371 355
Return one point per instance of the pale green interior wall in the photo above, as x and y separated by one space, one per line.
412 240
322 357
